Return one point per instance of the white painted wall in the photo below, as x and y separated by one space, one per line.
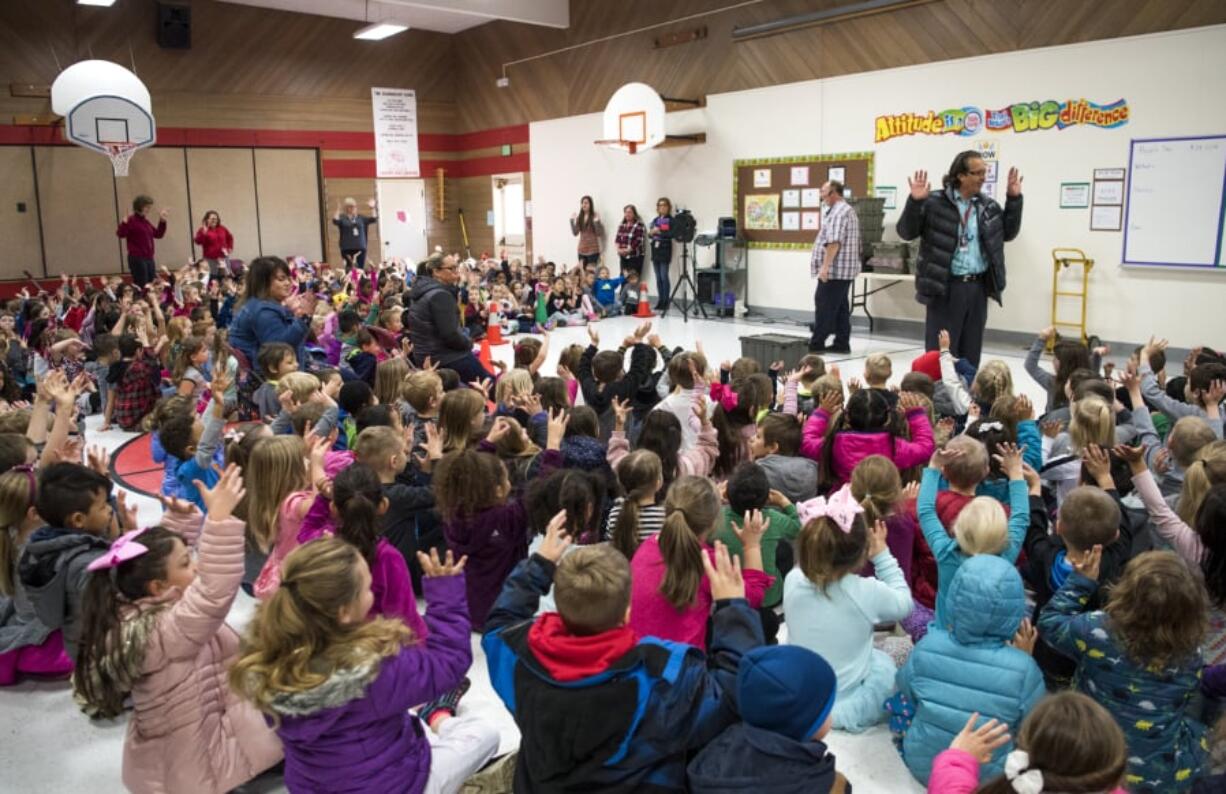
1171 82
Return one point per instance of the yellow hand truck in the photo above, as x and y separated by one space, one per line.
1063 258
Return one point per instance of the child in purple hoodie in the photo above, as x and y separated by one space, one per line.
340 686
484 521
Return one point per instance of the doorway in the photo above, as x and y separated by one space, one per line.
402 219
509 221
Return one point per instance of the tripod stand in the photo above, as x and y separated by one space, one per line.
691 303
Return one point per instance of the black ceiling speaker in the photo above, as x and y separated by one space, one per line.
174 31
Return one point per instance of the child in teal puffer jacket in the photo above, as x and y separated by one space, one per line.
978 662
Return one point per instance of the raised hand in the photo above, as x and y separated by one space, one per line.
1051 427
1034 484
1098 463
498 431
943 340
1014 185
556 429
556 538
592 335
1087 564
983 741
432 567
1048 333
724 575
700 411
876 538
1133 456
1010 459
832 402
943 456
1025 637
621 409
918 185
222 498
124 512
1023 408
751 531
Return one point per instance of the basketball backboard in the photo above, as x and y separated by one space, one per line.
633 118
106 108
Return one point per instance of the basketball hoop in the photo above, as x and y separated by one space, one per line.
618 143
120 154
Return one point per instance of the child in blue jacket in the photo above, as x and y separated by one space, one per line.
978 661
599 708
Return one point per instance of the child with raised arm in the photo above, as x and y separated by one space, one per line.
557 670
981 526
339 685
155 631
1139 657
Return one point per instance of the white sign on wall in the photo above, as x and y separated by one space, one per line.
395 117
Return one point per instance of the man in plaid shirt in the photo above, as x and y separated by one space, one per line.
835 263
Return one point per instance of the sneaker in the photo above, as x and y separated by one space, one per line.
448 702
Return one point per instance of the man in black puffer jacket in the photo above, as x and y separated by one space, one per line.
961 262
434 321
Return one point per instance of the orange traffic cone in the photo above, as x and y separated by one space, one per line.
484 355
644 310
493 328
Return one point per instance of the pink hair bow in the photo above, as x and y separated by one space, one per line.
724 395
123 549
841 508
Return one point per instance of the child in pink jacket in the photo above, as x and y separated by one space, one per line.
865 427
670 596
1066 743
155 629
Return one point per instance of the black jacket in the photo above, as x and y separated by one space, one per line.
625 729
935 221
745 758
600 400
434 323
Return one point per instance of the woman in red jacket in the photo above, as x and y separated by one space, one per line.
140 234
216 242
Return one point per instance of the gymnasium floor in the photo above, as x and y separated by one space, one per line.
47 745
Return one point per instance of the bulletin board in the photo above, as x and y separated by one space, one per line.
776 199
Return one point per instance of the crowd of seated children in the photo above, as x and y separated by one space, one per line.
992 584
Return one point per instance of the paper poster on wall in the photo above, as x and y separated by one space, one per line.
395 127
992 170
1110 173
761 177
989 189
762 211
791 221
890 194
1109 193
489 217
1074 195
810 220
1106 219
1020 117
791 198
527 209
838 173
811 197
800 175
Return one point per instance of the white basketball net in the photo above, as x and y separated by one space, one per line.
120 154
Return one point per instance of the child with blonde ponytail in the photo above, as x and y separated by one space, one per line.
154 629
670 593
26 644
339 686
283 473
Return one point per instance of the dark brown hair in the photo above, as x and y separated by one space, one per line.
639 474
825 553
1074 743
467 482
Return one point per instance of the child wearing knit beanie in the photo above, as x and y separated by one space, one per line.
786 694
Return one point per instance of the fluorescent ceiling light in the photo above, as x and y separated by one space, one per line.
379 30
106 3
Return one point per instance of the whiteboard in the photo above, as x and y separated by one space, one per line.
1176 201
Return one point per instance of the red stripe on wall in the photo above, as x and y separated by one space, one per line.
478 166
308 139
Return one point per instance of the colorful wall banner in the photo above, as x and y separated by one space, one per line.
1022 117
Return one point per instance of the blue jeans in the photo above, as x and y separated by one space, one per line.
662 283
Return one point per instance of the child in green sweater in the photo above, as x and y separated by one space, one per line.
748 489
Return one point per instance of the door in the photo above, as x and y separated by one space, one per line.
509 225
402 218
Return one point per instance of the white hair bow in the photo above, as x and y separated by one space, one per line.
1021 778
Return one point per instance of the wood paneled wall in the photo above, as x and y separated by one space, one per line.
582 80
